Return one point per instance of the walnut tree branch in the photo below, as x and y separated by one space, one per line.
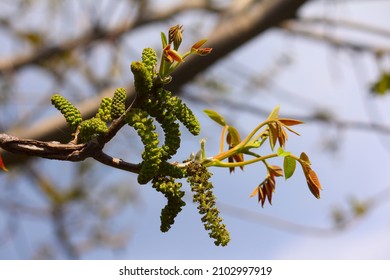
65 152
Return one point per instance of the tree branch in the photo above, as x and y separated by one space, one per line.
65 152
295 28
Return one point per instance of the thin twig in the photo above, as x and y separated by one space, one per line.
295 28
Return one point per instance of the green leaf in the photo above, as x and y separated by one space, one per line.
282 153
215 117
234 136
274 114
289 165
164 40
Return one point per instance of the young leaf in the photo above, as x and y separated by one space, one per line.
254 192
2 166
275 170
274 114
290 122
260 194
305 158
164 40
289 165
273 135
215 117
282 153
233 137
314 183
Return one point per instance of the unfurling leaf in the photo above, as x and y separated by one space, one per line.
275 170
282 153
259 192
269 189
289 165
274 115
2 166
313 182
290 122
305 158
215 117
292 130
164 40
273 135
233 137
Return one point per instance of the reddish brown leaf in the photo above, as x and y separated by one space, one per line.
233 137
282 136
255 191
198 44
269 188
290 122
305 158
292 130
2 166
239 158
276 170
230 160
273 135
260 194
313 183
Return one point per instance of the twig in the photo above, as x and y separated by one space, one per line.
343 23
294 28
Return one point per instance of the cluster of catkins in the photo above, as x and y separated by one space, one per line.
89 129
154 105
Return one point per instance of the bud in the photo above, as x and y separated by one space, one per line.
196 48
172 55
203 51
176 36
198 44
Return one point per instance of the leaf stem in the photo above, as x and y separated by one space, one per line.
242 144
215 162
221 141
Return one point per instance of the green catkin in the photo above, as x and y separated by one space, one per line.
104 111
118 103
149 59
172 191
143 81
181 111
198 177
151 155
163 114
92 128
71 113
171 170
186 116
